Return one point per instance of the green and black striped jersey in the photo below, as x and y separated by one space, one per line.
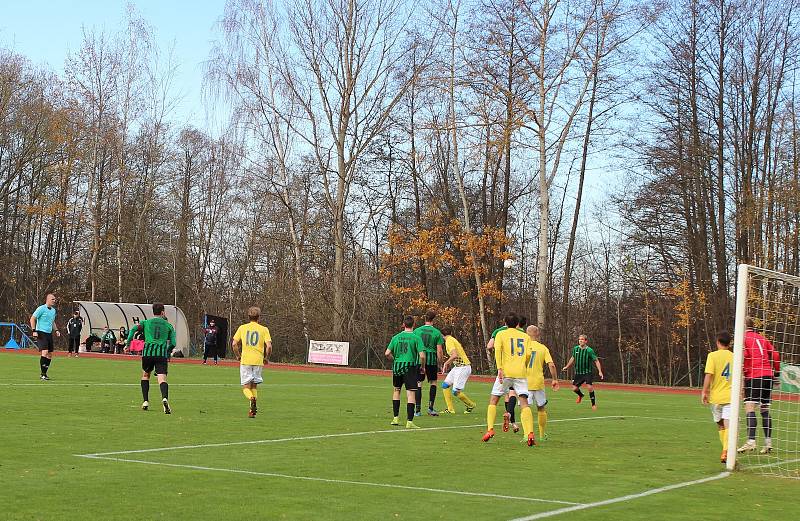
159 337
584 359
405 347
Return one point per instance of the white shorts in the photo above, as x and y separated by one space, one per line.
520 385
251 374
539 395
457 377
720 412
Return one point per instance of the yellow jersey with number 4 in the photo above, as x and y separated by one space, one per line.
512 351
254 338
454 347
719 364
540 357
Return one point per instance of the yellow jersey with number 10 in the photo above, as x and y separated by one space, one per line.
719 364
254 338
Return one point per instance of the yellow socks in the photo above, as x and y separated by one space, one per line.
448 398
466 399
254 392
527 420
723 438
542 417
491 414
248 393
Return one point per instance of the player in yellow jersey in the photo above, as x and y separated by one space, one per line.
717 388
512 349
540 357
254 343
456 379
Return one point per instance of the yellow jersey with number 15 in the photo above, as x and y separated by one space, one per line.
254 338
719 364
512 351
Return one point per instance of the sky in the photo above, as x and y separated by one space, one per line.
45 31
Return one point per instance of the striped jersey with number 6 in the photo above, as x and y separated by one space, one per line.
159 337
254 338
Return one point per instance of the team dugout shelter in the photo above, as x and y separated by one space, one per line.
114 315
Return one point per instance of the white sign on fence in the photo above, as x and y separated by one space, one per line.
327 352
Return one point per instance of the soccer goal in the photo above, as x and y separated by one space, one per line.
767 315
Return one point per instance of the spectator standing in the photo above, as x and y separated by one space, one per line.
74 327
210 342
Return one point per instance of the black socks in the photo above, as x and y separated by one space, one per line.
511 408
432 396
44 364
164 386
395 408
766 423
409 411
591 395
145 389
418 394
578 392
751 425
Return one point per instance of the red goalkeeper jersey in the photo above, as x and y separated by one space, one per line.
760 358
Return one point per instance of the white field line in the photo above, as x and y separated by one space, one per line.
622 499
315 437
667 419
775 464
116 384
337 481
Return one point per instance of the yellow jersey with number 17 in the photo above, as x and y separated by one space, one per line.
254 338
719 364
512 351
540 357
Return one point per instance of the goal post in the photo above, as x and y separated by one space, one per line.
771 300
738 363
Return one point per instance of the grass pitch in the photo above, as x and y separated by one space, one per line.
321 448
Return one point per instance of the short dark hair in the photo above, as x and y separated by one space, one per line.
447 330
511 320
158 308
523 321
408 321
430 315
724 338
749 322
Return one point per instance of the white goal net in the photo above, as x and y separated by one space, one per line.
764 434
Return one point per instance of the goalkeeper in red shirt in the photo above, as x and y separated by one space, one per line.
761 363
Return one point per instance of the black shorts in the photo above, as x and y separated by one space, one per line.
159 363
44 341
431 371
582 378
409 379
758 390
